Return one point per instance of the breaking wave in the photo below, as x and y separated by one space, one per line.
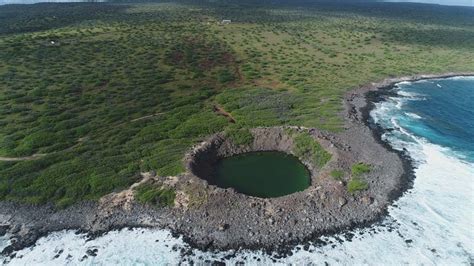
430 224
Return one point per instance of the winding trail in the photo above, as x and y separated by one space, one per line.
219 110
25 158
145 117
122 198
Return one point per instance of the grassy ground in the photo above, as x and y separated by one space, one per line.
107 91
161 197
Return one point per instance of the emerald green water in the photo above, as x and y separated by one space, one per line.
262 174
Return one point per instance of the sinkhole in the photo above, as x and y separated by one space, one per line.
266 174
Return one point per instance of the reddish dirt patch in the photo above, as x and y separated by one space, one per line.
220 111
202 55
177 57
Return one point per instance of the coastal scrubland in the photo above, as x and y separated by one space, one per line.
101 92
148 193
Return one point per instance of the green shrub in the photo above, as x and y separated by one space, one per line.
225 76
158 196
75 101
172 169
64 203
201 124
241 136
3 190
306 147
337 174
36 140
359 169
165 157
356 184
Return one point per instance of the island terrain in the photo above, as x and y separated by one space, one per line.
116 115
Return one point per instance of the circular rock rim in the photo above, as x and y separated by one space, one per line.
202 160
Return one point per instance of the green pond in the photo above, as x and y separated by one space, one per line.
262 174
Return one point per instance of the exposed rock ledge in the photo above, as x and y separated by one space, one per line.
212 217
233 220
201 160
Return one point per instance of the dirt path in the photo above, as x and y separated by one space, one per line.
145 117
219 110
124 198
26 158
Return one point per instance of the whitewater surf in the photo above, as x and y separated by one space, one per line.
430 224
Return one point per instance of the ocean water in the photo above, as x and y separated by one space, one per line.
431 224
439 111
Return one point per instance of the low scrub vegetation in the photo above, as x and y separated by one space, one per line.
356 184
360 169
157 196
107 91
307 147
337 175
240 136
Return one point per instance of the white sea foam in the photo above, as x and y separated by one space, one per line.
4 241
431 224
406 93
402 130
399 104
412 96
413 115
404 83
462 78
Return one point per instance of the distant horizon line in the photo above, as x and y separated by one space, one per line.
464 3
460 3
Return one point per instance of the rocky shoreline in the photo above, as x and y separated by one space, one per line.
209 217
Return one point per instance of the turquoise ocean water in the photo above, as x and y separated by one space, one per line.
439 111
431 224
